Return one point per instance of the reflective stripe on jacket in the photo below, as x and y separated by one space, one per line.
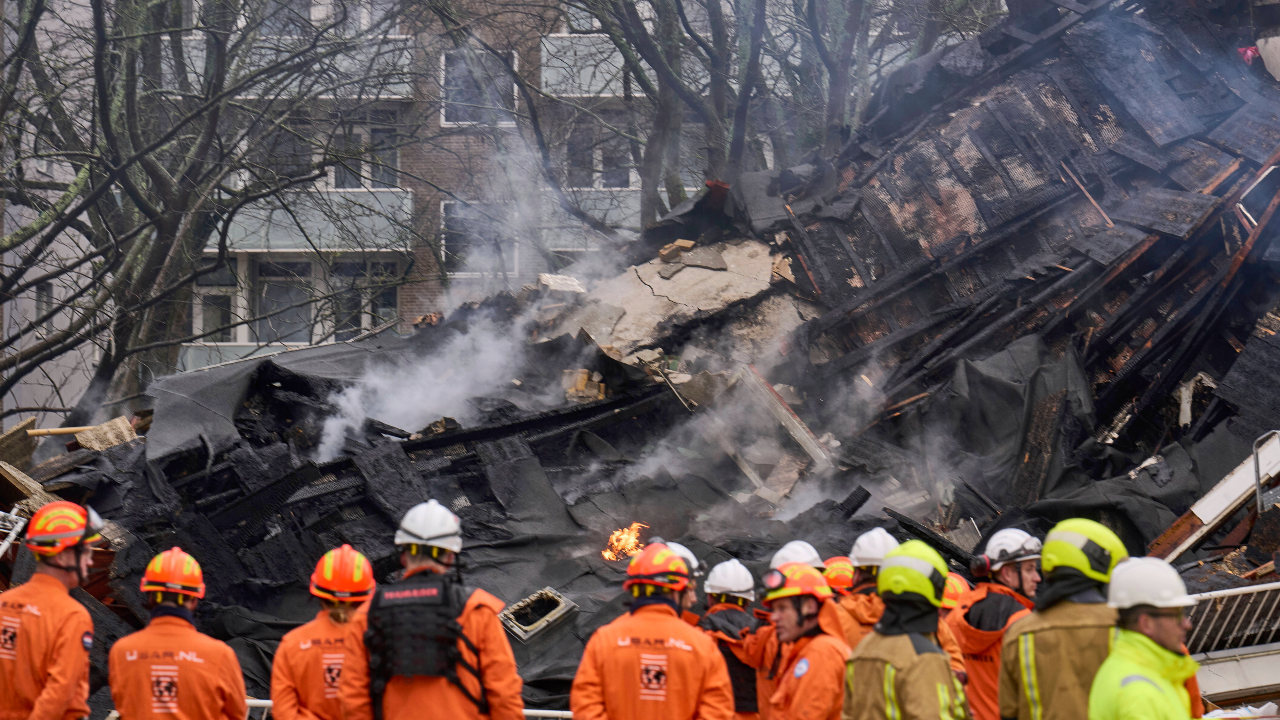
1141 680
862 610
901 677
981 648
1048 661
45 636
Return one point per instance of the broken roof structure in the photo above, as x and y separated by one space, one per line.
1038 284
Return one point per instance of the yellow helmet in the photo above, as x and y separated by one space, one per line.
1085 546
913 567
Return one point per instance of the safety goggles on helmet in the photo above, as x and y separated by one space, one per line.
61 525
344 575
657 566
174 571
796 580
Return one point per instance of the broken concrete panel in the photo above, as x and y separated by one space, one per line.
596 317
704 257
759 334
749 267
671 269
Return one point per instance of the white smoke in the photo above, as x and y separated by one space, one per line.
469 364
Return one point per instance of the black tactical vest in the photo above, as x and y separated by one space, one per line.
414 631
741 675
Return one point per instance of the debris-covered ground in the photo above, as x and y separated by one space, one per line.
1039 284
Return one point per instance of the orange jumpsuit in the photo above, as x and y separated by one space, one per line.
436 696
170 670
650 665
811 682
45 637
734 645
864 609
982 648
307 669
761 651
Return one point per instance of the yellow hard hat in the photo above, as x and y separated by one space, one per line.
913 567
1085 546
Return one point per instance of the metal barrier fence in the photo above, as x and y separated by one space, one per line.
1235 618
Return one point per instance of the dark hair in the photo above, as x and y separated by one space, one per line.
1129 616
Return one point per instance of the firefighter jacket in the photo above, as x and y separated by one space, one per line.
761 651
1048 660
864 609
411 697
649 664
170 670
901 677
725 622
810 683
307 671
1141 681
978 623
45 637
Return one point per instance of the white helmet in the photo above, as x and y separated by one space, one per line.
796 551
730 578
1147 581
430 523
1011 545
870 548
687 555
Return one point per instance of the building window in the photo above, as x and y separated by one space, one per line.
286 18
476 239
283 153
386 158
283 303
44 300
356 286
580 20
216 314
224 276
362 15
348 147
597 159
477 89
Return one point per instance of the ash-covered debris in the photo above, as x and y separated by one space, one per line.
1038 285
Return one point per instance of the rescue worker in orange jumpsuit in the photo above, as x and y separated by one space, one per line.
307 670
45 635
985 612
761 649
427 645
810 685
169 669
730 590
649 664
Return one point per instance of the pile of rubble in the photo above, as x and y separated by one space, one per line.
1040 283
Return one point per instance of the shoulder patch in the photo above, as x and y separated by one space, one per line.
87 641
802 667
923 645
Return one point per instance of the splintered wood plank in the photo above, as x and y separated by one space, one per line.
1198 164
1171 212
1123 58
1251 131
1106 246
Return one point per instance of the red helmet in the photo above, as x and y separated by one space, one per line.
795 580
955 587
61 525
657 565
174 571
343 574
839 574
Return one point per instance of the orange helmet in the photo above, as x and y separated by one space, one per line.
839 574
795 580
951 592
657 565
61 525
343 574
174 571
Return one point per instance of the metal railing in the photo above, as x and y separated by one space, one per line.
265 707
1235 618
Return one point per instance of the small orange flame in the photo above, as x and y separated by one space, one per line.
624 542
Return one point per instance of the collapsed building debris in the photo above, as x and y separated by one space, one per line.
1039 283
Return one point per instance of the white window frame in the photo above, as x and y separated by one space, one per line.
515 249
329 327
444 104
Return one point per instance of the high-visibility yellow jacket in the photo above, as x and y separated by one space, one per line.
902 677
1141 680
1048 661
